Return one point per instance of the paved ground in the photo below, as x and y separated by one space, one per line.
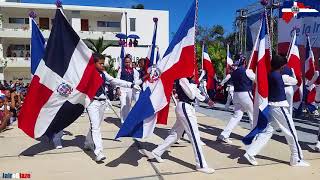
128 159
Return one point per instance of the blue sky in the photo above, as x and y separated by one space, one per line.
211 12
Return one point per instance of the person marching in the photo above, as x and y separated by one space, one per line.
129 74
279 116
289 88
317 100
242 99
97 107
230 89
186 121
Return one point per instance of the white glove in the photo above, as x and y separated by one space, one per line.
316 73
137 87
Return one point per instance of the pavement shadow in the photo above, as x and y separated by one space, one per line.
216 131
150 146
45 145
161 132
131 157
112 120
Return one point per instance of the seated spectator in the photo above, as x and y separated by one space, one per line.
14 55
21 54
130 43
135 43
27 54
4 113
14 102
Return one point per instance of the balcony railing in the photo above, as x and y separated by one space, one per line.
16 62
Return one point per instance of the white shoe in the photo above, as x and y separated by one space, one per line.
250 159
300 163
316 113
100 157
206 170
202 143
158 158
317 148
59 147
222 139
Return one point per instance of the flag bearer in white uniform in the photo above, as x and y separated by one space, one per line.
230 89
127 95
289 88
97 106
243 101
279 116
317 83
186 121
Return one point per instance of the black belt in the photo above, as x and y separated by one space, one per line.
190 103
99 99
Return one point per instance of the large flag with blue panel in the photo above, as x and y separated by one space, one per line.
64 83
295 64
311 76
177 62
260 64
37 46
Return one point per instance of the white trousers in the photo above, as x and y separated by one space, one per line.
95 112
242 103
230 90
126 98
280 117
289 96
186 121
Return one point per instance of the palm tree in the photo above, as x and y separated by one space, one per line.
97 46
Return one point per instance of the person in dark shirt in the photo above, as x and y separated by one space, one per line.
241 79
279 116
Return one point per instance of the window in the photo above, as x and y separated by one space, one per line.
44 23
84 25
108 24
113 24
132 24
18 47
19 20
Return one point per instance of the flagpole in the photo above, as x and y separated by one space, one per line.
202 56
228 53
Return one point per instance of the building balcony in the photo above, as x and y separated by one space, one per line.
9 62
23 31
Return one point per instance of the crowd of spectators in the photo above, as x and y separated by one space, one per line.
12 95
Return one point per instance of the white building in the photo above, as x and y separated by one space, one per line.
88 21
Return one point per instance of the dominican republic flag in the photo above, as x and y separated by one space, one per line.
229 61
294 63
64 83
122 57
260 64
151 58
208 67
38 44
309 74
153 104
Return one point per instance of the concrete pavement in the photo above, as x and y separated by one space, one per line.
128 159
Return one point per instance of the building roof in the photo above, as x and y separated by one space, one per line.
70 7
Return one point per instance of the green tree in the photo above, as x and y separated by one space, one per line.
138 6
216 42
99 46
